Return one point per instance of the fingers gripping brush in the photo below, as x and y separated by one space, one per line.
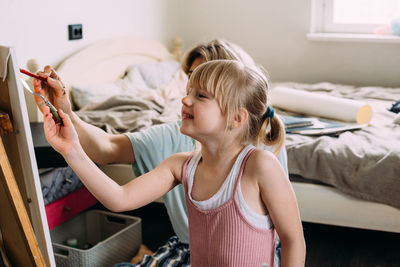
53 110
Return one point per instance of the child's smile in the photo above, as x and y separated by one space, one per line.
186 115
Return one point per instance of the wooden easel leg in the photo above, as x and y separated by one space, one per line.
18 236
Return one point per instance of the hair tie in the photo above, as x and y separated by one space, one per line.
268 114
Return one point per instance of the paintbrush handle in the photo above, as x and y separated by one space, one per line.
54 111
32 75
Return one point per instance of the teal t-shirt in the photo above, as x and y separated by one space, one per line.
151 147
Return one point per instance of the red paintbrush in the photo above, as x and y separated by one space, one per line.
32 75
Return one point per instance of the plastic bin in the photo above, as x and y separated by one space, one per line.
104 238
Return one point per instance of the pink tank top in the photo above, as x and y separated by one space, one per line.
223 237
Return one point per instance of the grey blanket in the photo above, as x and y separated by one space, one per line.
124 113
57 183
363 163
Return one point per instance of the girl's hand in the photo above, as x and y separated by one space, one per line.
53 90
64 139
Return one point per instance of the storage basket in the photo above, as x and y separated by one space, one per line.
104 238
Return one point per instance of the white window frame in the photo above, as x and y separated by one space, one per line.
322 27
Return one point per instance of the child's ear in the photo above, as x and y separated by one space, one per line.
240 118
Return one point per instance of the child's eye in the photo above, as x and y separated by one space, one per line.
202 96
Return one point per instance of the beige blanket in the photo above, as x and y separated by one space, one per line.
363 163
126 113
137 105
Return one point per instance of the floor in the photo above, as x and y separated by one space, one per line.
327 246
341 246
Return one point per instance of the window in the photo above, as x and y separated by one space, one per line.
355 17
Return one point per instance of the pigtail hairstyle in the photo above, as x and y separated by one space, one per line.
272 133
266 126
235 86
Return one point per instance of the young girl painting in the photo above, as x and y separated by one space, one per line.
237 196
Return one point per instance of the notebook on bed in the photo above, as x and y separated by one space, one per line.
315 126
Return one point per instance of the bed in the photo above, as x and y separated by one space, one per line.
352 179
320 200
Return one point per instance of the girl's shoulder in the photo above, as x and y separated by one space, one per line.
261 157
263 164
176 162
181 156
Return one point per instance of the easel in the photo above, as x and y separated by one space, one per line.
22 246
23 223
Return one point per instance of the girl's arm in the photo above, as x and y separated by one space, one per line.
278 196
101 147
136 193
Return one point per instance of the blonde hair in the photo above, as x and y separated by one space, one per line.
235 85
215 49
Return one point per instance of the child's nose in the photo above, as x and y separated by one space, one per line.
186 100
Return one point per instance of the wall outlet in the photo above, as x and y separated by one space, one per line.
75 31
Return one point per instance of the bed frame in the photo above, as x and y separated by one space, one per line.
327 205
106 61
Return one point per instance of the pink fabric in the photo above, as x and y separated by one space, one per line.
68 206
223 237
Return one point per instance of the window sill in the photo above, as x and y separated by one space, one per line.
350 37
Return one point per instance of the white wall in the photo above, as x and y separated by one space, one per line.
274 33
39 29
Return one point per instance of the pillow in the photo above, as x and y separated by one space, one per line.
138 79
89 94
154 74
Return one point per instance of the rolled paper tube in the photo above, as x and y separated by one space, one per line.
316 104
